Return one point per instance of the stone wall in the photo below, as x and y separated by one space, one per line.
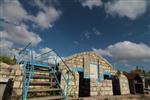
15 72
82 61
124 84
103 88
73 84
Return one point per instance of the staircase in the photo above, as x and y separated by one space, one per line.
40 76
41 83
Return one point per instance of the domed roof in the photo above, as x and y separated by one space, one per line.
91 54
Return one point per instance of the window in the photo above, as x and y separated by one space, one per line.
106 76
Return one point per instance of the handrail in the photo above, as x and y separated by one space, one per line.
43 54
24 48
64 63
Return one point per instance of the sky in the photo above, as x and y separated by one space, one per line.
118 30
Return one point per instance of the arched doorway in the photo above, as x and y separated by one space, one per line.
138 83
135 83
116 85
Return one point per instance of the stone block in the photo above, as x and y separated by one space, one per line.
16 84
93 93
19 91
12 77
20 78
12 72
18 72
4 76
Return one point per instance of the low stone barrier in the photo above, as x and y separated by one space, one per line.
14 72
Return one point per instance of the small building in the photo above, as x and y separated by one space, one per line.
147 82
120 85
136 83
92 75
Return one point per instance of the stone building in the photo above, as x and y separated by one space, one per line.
136 83
120 85
92 75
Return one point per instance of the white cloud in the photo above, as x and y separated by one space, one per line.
126 50
51 57
20 35
126 8
5 44
5 47
94 31
12 11
46 19
91 3
102 52
47 15
46 49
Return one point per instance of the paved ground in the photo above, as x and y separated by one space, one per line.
125 97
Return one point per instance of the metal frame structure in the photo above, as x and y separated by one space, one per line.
48 59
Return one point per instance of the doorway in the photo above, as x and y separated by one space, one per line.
84 86
116 86
138 84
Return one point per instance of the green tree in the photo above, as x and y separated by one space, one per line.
7 60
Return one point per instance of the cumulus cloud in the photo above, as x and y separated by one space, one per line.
5 46
91 3
14 15
102 52
20 35
126 8
46 19
14 30
11 10
44 50
47 15
126 50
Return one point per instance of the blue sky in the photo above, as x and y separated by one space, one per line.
119 30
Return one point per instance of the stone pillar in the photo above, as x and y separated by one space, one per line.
124 84
73 86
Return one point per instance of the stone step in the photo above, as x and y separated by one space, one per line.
38 76
42 72
48 98
42 83
43 90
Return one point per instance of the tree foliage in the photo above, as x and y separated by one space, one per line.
8 60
